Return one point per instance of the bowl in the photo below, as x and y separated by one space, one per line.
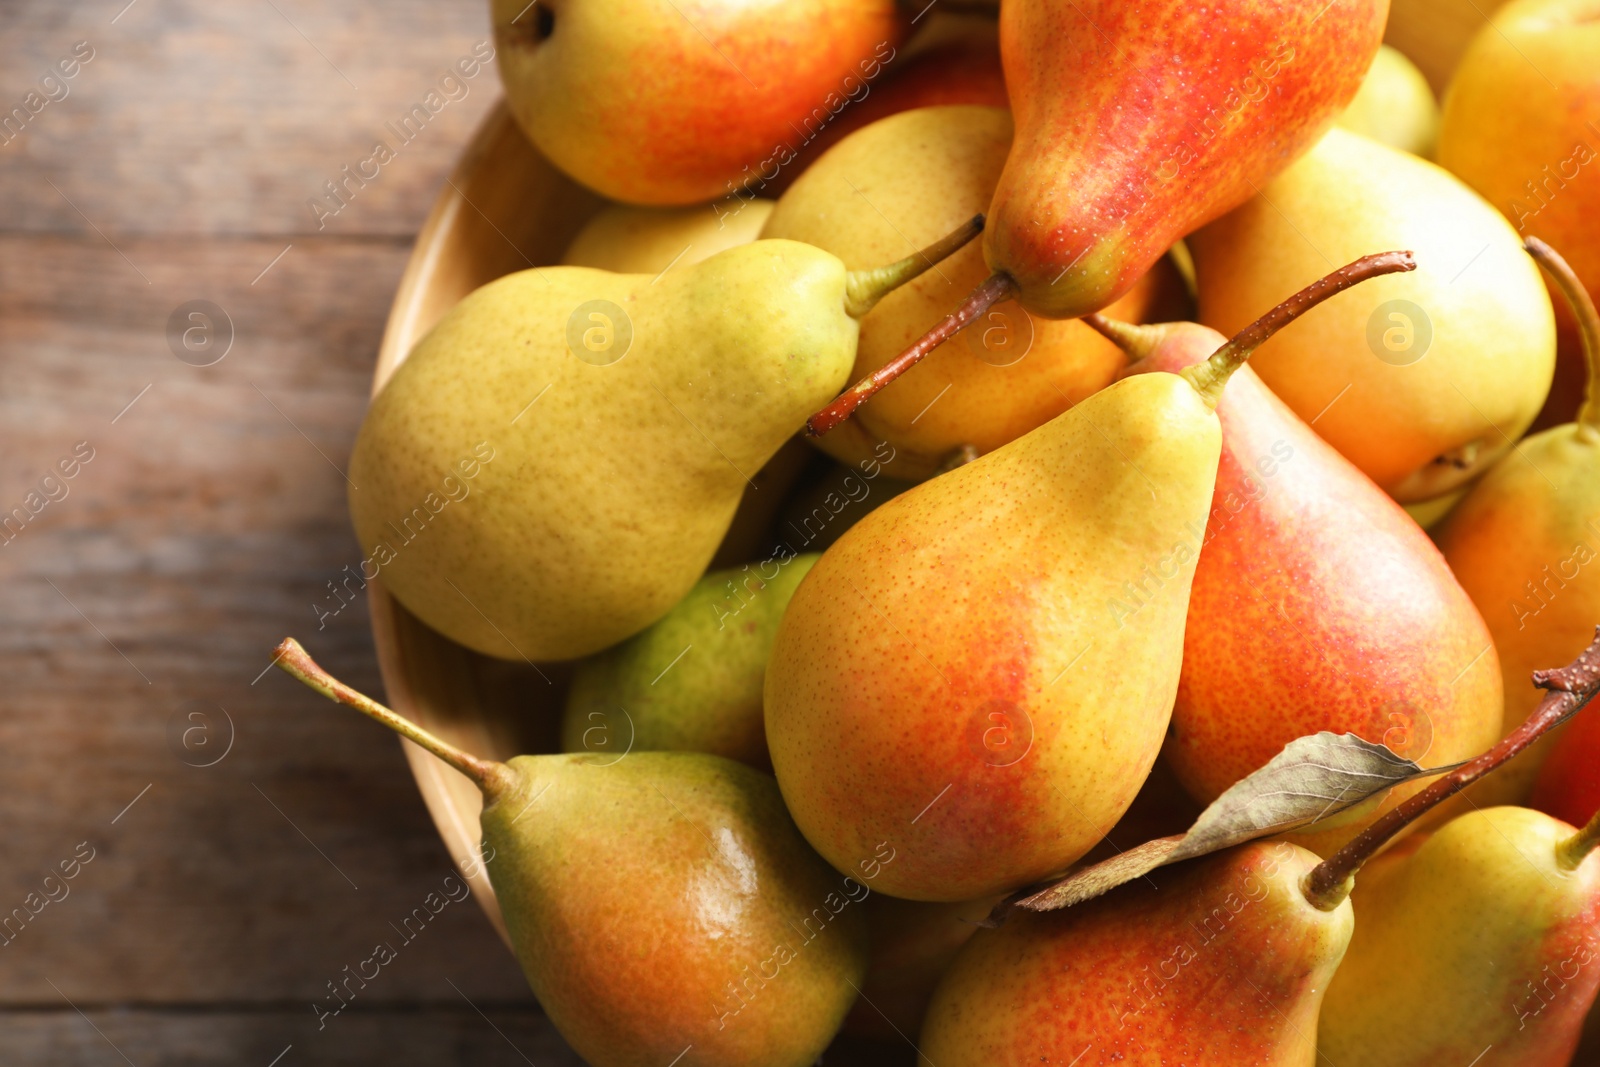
504 208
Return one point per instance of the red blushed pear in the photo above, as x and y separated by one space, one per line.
1221 961
1569 782
953 679
662 905
1525 542
1230 959
675 103
1317 604
1479 945
1137 121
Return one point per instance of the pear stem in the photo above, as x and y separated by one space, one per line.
1209 377
864 288
492 778
1570 688
997 288
1136 342
1571 853
1583 310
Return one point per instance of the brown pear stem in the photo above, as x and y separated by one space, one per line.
1136 342
864 288
493 779
1571 853
1209 377
997 288
1583 310
1570 688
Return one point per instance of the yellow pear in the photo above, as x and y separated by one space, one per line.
1395 105
648 240
1421 380
1476 945
1434 33
950 682
552 467
1522 127
872 198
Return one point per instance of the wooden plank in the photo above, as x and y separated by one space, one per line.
206 118
424 1037
204 528
481 1034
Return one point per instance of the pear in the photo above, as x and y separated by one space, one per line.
1395 105
1435 33
873 197
649 104
663 907
691 682
912 944
1230 958
1134 126
922 641
1213 963
1525 544
954 59
1429 513
1520 127
643 240
1423 381
1137 123
951 681
1476 945
1567 786
1317 604
551 468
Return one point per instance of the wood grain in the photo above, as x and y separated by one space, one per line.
205 118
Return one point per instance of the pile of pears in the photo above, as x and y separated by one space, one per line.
900 569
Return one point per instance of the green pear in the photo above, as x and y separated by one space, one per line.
1395 105
648 240
553 466
1479 944
1422 380
691 682
663 906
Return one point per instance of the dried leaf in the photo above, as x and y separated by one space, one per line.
1313 779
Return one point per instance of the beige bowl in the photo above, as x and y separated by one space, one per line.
503 209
